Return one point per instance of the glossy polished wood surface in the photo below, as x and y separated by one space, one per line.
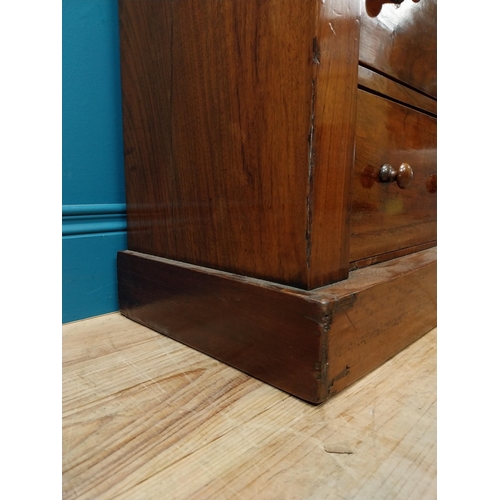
217 106
241 119
401 42
238 129
391 298
273 335
332 152
372 81
385 218
309 344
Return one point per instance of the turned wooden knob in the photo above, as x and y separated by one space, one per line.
403 175
373 7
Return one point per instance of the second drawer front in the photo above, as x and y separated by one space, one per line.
384 217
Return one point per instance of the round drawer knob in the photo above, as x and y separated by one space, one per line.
403 175
373 7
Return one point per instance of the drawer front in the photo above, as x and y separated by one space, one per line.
384 217
401 41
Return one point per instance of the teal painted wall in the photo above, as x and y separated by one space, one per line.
93 188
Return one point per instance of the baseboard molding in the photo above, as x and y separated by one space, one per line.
93 219
91 237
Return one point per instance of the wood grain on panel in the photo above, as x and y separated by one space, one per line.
385 218
274 335
369 80
393 304
401 42
238 126
333 113
217 107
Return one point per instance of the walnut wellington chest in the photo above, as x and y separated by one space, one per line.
280 161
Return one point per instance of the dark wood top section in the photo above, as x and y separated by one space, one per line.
216 110
238 126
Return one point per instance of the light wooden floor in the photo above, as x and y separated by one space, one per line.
147 418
